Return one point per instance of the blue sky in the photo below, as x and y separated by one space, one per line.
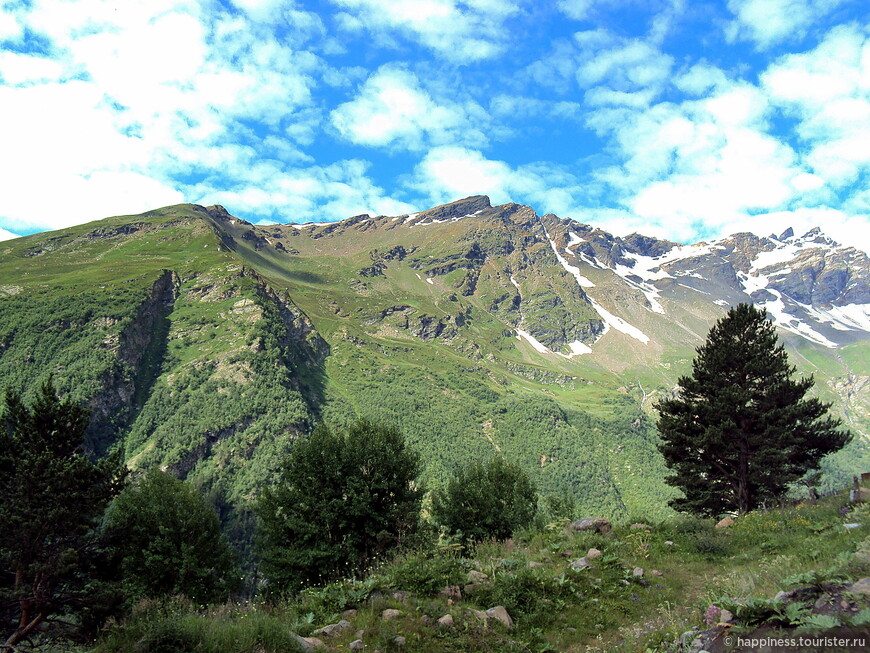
681 119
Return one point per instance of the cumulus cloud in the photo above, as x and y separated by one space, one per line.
459 30
392 108
612 69
137 97
769 22
828 91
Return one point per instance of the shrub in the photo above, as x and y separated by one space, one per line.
344 499
169 542
486 501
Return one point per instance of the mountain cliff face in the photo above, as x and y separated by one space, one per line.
206 345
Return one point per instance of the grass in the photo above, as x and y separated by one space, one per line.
603 608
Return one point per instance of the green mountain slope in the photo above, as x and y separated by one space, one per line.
205 345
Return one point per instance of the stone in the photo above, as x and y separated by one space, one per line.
307 644
468 588
332 629
534 565
861 586
356 645
401 595
580 563
640 527
480 614
668 543
655 572
725 523
445 622
726 616
499 613
591 554
452 593
399 641
477 576
592 524
349 614
389 614
637 572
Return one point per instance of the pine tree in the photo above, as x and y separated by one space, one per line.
740 429
51 496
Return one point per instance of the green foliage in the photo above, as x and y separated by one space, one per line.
51 496
486 500
740 431
343 500
427 572
169 542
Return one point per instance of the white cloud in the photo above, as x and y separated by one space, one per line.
615 70
455 29
828 90
138 95
7 235
392 108
314 194
576 9
447 173
768 22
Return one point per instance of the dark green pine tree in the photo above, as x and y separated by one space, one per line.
740 429
51 496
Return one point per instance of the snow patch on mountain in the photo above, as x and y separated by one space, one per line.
577 348
582 281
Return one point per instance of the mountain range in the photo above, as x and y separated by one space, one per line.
205 345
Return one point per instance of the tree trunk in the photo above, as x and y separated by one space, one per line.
26 625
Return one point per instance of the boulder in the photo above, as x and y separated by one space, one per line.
500 614
725 523
580 563
477 576
307 644
389 614
332 629
445 622
592 524
860 587
356 645
399 641
591 554
640 527
655 572
637 572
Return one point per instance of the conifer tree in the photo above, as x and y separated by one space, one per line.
51 496
740 429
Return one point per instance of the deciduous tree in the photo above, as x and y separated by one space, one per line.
344 498
486 500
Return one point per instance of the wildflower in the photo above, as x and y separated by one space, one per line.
711 616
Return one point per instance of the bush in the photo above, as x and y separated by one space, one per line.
486 501
344 499
427 574
168 542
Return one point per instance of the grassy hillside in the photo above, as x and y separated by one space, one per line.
205 345
650 584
